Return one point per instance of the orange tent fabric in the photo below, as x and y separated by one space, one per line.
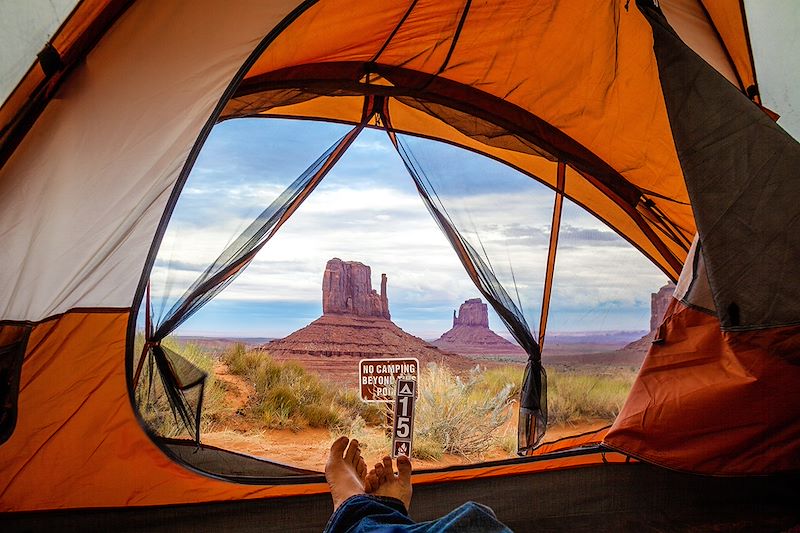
736 390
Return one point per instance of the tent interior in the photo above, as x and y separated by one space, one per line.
549 155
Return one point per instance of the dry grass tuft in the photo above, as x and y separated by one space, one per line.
459 416
575 397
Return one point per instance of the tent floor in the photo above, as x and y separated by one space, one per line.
607 497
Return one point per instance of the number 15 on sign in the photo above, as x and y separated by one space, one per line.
403 429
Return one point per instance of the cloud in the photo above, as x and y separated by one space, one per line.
368 210
572 236
371 145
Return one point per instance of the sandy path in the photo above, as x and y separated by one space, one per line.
237 389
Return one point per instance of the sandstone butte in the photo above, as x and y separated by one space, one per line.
471 336
355 324
658 306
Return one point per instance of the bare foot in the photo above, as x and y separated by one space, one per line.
345 470
383 481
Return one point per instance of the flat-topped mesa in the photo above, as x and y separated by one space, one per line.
472 313
471 336
347 290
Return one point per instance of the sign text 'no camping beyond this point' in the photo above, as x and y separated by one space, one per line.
377 377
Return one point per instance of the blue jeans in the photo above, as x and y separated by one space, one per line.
365 513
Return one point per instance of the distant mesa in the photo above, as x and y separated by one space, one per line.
355 323
659 301
471 336
472 313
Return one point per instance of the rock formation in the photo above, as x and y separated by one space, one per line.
471 336
659 301
347 290
355 324
472 313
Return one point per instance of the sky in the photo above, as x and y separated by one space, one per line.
367 209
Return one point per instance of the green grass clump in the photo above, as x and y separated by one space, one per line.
289 397
494 380
238 359
573 397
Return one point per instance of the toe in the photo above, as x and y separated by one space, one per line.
371 482
361 468
338 446
380 473
404 468
387 466
352 452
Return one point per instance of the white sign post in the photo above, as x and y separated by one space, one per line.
403 427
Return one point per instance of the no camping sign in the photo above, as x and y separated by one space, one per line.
377 377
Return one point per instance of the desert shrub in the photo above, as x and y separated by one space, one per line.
427 449
286 395
238 359
508 442
280 400
458 414
349 402
320 416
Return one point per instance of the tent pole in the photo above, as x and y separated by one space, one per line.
555 226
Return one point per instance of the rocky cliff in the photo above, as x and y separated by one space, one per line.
471 336
347 290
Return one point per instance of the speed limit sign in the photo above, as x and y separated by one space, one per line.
403 427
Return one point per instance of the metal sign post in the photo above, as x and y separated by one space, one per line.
403 427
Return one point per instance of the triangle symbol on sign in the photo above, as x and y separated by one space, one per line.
405 388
